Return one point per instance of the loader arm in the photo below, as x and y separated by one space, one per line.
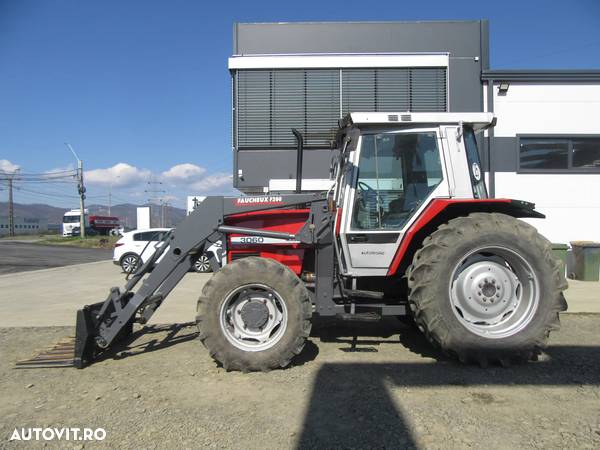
101 324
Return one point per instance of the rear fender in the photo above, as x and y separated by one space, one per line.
440 211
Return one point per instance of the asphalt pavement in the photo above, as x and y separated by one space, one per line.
18 256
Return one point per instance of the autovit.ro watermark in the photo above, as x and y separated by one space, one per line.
58 434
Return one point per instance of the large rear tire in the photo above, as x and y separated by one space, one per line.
487 288
254 315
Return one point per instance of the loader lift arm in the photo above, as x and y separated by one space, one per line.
100 324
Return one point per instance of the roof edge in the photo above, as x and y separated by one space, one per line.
542 75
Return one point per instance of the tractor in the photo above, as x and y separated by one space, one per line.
406 229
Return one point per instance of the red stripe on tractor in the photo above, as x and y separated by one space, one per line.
338 221
267 212
429 213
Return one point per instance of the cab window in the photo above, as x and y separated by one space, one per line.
396 173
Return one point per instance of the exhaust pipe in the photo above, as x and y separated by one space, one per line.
299 154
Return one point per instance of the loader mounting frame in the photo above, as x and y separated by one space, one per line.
100 324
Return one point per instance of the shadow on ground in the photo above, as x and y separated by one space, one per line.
144 340
350 404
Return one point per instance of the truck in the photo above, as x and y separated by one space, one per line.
99 224
407 229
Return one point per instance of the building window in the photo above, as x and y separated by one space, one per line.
586 153
559 154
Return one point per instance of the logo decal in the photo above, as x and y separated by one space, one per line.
262 200
250 240
476 171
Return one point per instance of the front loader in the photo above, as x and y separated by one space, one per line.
407 228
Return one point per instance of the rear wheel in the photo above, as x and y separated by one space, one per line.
487 288
202 264
254 314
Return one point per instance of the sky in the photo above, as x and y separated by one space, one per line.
141 89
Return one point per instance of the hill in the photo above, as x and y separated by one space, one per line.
127 212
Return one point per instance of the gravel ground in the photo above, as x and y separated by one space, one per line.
387 390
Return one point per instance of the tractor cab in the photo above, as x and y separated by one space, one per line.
390 167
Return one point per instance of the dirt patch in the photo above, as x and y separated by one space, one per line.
163 390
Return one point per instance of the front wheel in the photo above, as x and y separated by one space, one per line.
254 315
487 288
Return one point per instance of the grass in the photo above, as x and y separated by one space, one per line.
88 242
26 237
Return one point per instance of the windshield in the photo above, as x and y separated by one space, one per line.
396 173
70 219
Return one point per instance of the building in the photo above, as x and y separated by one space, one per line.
23 225
544 148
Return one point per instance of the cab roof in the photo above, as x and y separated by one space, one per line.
478 120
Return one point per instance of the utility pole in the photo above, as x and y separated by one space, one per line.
11 210
162 214
81 190
10 178
110 193
167 219
155 198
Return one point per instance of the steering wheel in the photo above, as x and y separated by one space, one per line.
366 190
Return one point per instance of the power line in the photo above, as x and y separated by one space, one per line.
47 194
63 173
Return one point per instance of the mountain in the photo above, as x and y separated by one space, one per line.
34 210
126 212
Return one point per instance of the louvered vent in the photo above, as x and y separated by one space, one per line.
269 103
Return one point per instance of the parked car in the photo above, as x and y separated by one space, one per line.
144 243
89 231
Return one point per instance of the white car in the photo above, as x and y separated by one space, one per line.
145 242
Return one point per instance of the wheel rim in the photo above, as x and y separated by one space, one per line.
494 292
129 263
253 317
203 264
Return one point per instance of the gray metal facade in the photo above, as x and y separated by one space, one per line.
466 42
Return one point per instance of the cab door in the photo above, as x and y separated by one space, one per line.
394 175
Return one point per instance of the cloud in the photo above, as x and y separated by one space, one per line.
119 175
7 166
67 168
183 173
211 183
170 198
177 181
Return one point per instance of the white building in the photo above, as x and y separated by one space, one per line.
546 147
23 225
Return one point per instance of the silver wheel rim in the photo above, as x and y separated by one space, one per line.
129 263
253 317
494 292
203 264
